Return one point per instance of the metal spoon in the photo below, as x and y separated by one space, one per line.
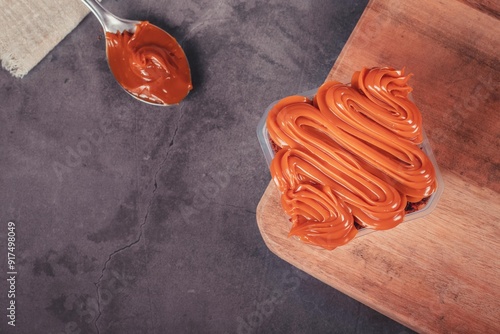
110 22
114 24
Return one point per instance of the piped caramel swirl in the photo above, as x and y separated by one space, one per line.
319 217
388 90
379 150
350 155
309 156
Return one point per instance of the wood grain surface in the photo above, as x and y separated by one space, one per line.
439 273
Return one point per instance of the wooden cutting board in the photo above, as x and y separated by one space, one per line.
439 273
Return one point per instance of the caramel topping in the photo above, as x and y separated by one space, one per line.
388 91
320 217
349 156
379 150
149 64
308 156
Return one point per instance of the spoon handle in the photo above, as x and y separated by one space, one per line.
99 11
109 22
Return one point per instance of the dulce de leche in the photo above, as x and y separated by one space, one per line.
149 64
350 157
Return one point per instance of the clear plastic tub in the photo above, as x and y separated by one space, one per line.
267 149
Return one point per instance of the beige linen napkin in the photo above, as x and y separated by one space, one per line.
31 28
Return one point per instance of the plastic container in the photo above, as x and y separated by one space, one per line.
265 144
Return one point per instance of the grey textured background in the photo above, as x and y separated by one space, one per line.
138 219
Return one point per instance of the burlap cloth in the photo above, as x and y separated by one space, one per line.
31 28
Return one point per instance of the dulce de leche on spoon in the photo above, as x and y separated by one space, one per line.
145 60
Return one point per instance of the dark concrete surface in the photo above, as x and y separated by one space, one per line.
138 219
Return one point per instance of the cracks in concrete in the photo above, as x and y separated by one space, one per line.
168 151
104 269
141 226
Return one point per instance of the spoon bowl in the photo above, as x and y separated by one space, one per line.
146 61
